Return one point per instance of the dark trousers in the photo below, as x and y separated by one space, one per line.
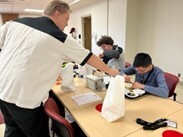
21 122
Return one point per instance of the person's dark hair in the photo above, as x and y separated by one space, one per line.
142 60
105 40
72 30
56 5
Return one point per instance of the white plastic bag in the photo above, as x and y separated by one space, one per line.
67 78
114 102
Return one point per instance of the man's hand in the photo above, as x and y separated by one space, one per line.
138 85
113 72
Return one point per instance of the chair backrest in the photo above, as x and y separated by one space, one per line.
1 118
60 125
172 82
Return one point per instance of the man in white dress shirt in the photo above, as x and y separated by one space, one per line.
32 52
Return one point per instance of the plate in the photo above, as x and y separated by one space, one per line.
139 91
131 94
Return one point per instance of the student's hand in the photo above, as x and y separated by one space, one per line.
127 78
101 55
138 85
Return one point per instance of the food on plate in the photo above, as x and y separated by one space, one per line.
128 85
131 93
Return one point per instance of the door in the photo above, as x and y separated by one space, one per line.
8 16
87 32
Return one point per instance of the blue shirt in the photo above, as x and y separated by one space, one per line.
155 83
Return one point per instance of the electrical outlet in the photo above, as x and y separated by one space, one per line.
180 75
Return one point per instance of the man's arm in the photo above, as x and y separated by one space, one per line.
95 62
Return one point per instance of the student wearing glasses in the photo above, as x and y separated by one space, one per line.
147 76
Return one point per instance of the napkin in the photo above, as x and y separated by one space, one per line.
66 73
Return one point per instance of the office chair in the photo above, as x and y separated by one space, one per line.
1 118
60 125
172 82
127 64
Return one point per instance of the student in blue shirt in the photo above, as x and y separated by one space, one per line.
147 76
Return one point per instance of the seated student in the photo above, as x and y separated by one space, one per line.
147 76
113 55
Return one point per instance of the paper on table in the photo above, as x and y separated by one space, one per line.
86 98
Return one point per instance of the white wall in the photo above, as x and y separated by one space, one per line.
161 33
156 27
108 17
117 21
98 13
132 30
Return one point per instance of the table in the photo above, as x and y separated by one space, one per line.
177 117
147 107
2 128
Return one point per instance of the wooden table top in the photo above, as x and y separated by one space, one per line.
147 107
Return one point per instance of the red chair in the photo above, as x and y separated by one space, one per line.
60 125
127 64
1 118
172 82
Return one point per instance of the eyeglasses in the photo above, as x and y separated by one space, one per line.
141 70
